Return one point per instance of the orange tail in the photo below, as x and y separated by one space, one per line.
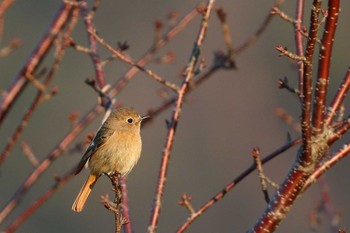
84 193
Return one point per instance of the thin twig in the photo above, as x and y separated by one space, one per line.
4 6
284 84
175 119
40 201
220 195
46 162
186 201
226 32
125 205
130 62
259 168
100 77
90 116
299 17
28 152
284 52
41 91
20 82
338 98
13 44
251 40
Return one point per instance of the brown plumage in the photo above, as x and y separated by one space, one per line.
115 148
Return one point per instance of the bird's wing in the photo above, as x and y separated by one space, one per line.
100 139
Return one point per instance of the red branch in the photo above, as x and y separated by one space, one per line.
305 158
93 113
38 98
40 201
323 66
340 154
4 5
299 39
339 132
100 78
44 164
338 99
35 59
175 119
294 182
233 184
125 205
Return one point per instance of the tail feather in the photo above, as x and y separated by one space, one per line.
84 193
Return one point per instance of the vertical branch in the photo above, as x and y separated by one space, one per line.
285 196
100 78
117 201
299 39
175 119
305 156
35 59
324 64
125 205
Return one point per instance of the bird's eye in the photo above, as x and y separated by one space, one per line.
130 120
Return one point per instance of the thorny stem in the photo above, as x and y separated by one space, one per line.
324 65
305 159
294 182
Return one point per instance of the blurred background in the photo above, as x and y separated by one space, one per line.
221 122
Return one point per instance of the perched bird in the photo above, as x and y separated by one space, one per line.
115 148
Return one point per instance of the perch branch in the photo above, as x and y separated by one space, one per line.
90 116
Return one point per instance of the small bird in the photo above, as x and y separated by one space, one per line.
115 148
